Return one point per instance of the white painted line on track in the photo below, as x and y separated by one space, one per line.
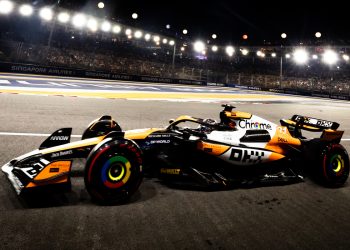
24 82
4 82
75 136
56 84
69 84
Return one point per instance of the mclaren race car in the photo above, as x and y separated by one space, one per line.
240 148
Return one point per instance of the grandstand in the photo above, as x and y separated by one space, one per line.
60 44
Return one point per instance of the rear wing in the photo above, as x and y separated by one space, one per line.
328 128
310 124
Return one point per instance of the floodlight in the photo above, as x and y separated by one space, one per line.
63 17
214 48
273 54
134 16
230 50
156 39
138 34
79 20
92 24
244 52
330 57
315 57
168 26
26 10
46 14
116 29
346 57
287 56
214 36
300 56
199 46
318 34
106 26
172 43
284 35
165 41
147 37
182 49
6 7
100 5
128 32
185 31
259 53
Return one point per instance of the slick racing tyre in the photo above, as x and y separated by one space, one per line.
113 171
334 165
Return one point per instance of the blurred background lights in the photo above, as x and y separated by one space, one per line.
284 35
116 29
214 48
199 46
134 16
346 57
245 37
128 32
138 34
182 49
245 52
318 34
79 20
26 10
92 24
172 43
185 31
330 57
6 7
214 36
259 53
168 26
300 56
287 56
46 14
147 37
156 39
100 5
315 57
273 54
230 50
63 17
106 26
165 41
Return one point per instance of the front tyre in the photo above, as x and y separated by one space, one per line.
113 171
334 161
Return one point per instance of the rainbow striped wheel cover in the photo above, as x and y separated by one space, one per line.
115 182
336 163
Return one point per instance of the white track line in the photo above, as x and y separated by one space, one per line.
75 136
56 84
4 82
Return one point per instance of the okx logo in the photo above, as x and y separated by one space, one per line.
247 155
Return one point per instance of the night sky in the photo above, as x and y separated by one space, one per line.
260 20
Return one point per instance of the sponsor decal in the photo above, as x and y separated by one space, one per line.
246 155
174 171
253 125
62 153
282 140
33 171
59 138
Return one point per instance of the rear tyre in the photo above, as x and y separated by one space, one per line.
334 165
113 171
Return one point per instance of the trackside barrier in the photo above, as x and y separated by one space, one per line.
69 72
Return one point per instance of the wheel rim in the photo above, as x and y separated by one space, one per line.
116 172
336 163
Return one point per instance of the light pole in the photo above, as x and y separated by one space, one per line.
173 63
281 68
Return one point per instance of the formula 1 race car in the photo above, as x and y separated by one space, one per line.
241 148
